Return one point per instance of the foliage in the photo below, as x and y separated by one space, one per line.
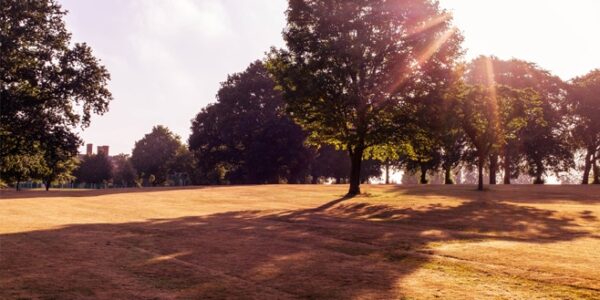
48 85
155 153
124 174
350 65
543 143
21 167
246 137
585 101
94 169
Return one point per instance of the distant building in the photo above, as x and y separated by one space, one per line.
102 150
89 149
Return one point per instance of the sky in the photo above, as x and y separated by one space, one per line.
167 58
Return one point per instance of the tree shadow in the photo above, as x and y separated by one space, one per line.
336 250
533 193
6 194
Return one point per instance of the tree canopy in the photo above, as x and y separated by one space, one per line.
350 65
246 137
49 85
154 154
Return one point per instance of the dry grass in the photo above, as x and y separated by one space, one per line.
287 241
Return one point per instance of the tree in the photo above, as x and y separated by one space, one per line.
154 154
479 113
350 65
21 167
181 168
585 101
245 137
330 163
124 174
423 154
541 144
60 149
48 85
94 169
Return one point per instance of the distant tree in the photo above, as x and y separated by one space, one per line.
246 137
94 169
330 163
48 85
452 141
585 101
19 168
154 154
371 168
479 114
350 65
124 174
182 167
542 144
491 115
423 155
60 149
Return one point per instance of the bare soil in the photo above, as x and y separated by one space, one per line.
302 241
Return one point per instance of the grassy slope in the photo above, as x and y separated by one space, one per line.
515 242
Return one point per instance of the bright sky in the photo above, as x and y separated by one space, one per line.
167 58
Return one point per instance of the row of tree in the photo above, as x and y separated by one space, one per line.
362 86
385 79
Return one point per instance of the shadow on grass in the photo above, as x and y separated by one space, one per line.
525 193
336 250
6 194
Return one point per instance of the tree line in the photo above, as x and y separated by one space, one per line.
362 87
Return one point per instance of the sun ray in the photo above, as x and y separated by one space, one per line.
423 57
429 24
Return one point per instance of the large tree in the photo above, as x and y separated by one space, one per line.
586 110
48 85
542 143
350 65
246 137
153 155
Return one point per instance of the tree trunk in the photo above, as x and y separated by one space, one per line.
493 168
507 170
387 172
355 162
539 172
448 176
596 173
423 174
480 173
314 180
587 168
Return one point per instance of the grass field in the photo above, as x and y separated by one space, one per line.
302 241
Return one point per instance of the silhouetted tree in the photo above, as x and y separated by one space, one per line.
246 137
94 169
124 174
154 154
350 65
